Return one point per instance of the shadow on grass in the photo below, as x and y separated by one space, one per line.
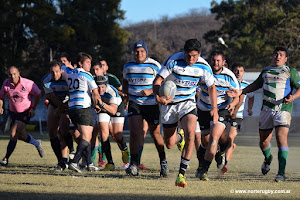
48 196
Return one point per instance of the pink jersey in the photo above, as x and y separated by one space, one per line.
19 96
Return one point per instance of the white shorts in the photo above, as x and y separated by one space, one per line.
270 119
171 114
104 117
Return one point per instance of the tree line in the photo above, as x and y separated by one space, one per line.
34 31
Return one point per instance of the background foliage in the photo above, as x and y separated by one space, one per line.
34 31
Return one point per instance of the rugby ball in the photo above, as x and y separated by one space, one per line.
168 88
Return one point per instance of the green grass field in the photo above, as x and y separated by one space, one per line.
30 177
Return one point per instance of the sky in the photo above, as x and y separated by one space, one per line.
143 10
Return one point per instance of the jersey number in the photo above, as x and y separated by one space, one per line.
73 85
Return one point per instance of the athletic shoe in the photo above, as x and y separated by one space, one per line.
40 149
265 167
4 162
101 163
180 181
71 155
125 156
92 168
164 169
60 167
142 167
125 166
220 159
109 167
132 170
201 174
74 167
280 178
181 144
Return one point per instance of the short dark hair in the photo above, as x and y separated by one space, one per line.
217 52
192 45
66 55
235 65
281 49
81 57
54 63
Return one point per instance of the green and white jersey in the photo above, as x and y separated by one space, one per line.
277 83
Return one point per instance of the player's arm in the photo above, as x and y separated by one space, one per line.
110 108
212 91
295 80
56 101
237 107
250 105
96 100
158 81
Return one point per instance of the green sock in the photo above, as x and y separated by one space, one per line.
101 152
94 154
282 158
267 153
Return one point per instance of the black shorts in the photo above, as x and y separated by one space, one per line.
81 116
204 118
237 122
120 111
23 116
150 113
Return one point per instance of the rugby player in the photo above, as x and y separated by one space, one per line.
138 76
185 69
278 81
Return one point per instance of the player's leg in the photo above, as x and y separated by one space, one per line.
103 122
116 130
265 134
282 122
64 125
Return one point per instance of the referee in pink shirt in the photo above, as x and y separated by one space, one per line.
21 109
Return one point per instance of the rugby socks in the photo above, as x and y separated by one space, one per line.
101 152
88 154
267 153
32 141
82 145
134 159
223 146
106 149
94 153
282 158
69 141
64 160
184 163
201 154
55 144
140 155
205 165
162 156
10 148
122 144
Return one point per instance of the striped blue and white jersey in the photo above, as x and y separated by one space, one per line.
186 77
224 81
111 95
243 84
59 88
140 77
81 84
